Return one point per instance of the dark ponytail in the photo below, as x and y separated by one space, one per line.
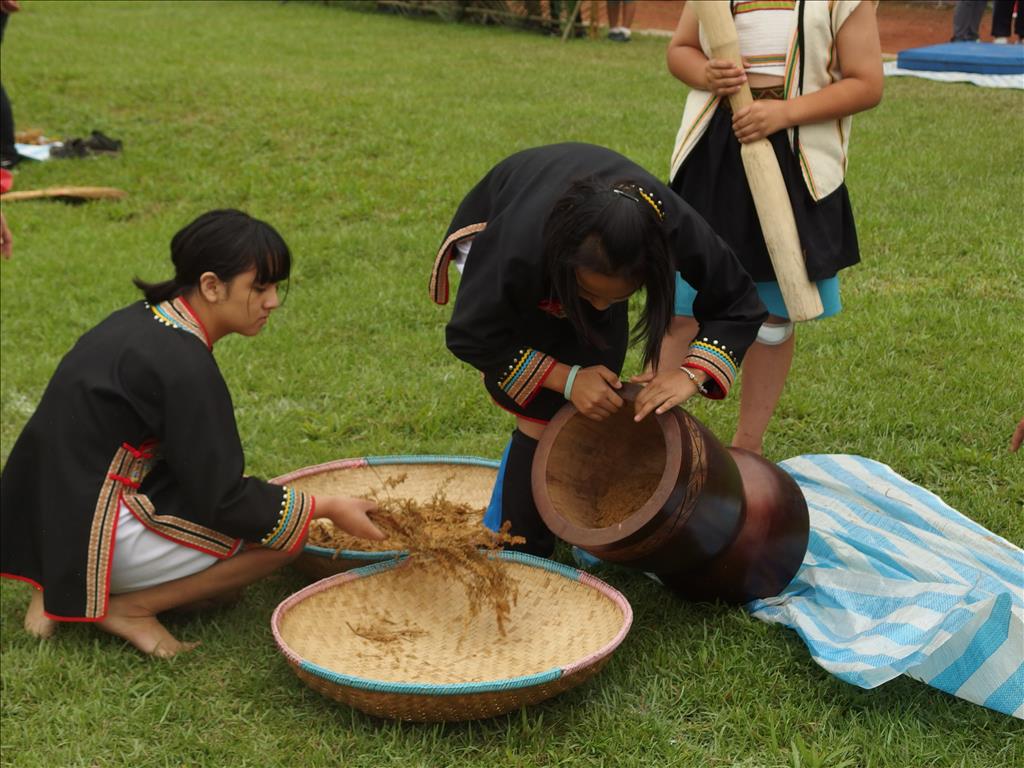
157 292
614 229
226 242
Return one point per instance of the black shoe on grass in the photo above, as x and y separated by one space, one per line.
70 148
101 144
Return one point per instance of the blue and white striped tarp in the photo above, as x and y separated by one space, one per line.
895 582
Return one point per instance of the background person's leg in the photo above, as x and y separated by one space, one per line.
1002 15
628 14
614 8
765 368
966 20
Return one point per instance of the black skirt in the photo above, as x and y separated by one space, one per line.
713 181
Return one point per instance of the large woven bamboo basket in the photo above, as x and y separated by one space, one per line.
465 479
435 663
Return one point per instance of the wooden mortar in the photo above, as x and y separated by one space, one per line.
688 495
713 523
767 551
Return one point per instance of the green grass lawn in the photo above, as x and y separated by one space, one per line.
356 135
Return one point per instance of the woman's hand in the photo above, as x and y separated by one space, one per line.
349 515
663 391
593 392
760 119
723 77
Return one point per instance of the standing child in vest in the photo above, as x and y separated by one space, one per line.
810 66
124 496
551 243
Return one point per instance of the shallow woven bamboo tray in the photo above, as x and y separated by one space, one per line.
441 666
467 479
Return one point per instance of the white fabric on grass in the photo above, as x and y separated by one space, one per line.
985 81
895 582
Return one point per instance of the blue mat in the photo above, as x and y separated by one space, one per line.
982 58
897 582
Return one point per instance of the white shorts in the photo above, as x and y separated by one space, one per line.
144 559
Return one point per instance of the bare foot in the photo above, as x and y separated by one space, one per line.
37 623
132 623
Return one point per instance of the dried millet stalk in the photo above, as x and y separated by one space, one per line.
464 554
445 536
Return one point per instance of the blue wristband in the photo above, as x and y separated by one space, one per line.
569 381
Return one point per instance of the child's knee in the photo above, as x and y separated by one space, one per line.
775 331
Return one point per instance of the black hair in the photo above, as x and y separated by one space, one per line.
614 229
226 242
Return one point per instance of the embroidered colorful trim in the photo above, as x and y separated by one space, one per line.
296 510
176 313
716 361
793 60
127 469
749 6
180 530
776 92
756 60
523 378
439 274
682 149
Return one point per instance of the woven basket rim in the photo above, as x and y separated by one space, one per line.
353 554
453 689
374 461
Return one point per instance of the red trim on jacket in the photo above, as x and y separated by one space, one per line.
206 334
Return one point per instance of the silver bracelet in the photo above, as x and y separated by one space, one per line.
699 384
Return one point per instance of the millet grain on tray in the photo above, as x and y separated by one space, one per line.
443 536
437 513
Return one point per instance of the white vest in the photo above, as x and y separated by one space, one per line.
823 145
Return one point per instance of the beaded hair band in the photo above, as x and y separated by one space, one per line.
647 197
